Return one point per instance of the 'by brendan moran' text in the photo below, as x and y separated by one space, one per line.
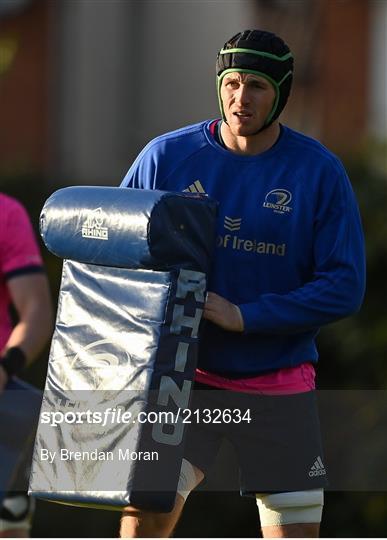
64 454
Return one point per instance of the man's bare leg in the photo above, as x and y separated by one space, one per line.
294 530
140 524
15 533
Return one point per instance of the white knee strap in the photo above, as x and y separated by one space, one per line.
290 507
187 480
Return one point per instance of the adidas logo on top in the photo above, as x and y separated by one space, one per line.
232 224
317 468
196 187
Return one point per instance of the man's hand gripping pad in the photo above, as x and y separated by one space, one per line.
124 350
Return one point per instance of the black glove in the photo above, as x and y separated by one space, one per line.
13 361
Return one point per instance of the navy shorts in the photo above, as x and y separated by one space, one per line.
276 439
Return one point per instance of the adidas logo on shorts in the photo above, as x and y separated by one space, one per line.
317 468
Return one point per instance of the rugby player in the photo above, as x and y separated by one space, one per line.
289 259
23 284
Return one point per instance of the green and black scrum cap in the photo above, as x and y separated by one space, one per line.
260 53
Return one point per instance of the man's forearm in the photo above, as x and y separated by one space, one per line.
31 335
31 298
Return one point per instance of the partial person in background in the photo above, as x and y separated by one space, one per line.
24 285
289 259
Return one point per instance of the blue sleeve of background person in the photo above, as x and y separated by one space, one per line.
337 288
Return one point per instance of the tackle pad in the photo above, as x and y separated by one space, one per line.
124 350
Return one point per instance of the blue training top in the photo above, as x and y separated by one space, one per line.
289 250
